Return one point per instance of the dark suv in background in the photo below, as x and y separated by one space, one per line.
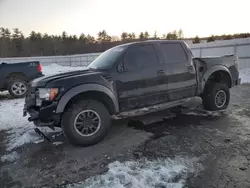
15 77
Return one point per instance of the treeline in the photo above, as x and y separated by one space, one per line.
219 37
15 44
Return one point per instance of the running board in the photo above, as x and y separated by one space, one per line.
150 109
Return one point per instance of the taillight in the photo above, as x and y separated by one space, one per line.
39 67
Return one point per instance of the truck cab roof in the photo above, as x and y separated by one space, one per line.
152 42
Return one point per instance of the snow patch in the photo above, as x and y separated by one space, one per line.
56 69
11 157
19 137
11 114
143 174
20 131
57 143
4 93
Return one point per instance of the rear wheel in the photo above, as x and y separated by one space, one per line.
17 87
86 122
216 97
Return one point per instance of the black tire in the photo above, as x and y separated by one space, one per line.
209 96
11 84
71 113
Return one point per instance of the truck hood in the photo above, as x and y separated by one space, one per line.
43 81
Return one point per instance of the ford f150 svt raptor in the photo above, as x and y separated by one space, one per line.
15 77
127 77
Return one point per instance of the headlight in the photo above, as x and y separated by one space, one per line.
46 94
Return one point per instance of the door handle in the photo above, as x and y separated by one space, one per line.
160 72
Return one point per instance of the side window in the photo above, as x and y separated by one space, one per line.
140 56
174 52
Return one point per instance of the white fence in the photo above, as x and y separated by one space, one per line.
69 60
240 47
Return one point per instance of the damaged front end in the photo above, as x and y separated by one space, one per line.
42 114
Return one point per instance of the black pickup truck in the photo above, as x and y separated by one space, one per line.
14 77
124 78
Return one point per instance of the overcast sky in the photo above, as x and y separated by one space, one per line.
194 17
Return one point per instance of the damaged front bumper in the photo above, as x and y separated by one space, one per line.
44 116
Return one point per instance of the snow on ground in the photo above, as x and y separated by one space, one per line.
55 69
4 92
11 157
166 172
18 128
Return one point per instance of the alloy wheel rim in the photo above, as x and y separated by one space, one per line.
220 98
19 88
87 123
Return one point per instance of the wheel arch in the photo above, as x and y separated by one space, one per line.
219 74
90 91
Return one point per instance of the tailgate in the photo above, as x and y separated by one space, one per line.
30 69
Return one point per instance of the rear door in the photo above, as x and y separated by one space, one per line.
141 79
180 71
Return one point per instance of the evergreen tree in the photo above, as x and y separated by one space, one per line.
155 35
196 40
141 36
180 34
103 36
131 36
36 44
211 38
124 36
146 35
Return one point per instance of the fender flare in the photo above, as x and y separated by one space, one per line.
84 88
210 71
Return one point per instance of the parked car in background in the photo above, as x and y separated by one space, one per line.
124 78
14 77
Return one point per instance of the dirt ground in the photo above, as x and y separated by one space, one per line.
220 140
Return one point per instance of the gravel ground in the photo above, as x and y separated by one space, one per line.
219 141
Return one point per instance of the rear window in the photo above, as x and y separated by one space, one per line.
174 52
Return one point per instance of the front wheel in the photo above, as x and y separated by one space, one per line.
86 122
216 97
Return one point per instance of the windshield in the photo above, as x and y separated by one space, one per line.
107 58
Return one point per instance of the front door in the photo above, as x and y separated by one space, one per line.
140 79
181 74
